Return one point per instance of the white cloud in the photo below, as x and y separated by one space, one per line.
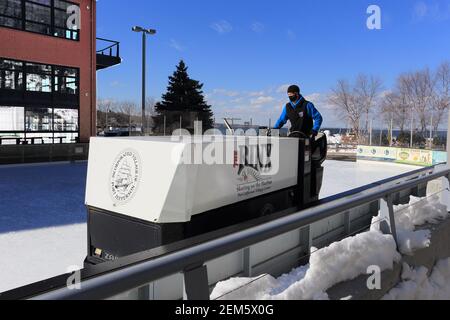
283 88
177 46
264 105
258 27
314 97
434 11
262 100
256 93
222 27
420 10
225 92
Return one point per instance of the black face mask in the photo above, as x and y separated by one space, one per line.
293 98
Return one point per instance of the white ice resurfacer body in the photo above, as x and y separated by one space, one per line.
144 192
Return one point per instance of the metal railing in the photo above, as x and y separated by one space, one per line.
112 50
191 261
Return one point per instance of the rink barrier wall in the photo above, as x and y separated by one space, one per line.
417 157
41 153
193 264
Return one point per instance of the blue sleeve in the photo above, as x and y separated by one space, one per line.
317 117
283 120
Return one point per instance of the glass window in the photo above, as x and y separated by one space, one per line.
66 33
41 17
10 22
66 137
12 119
38 119
38 125
11 80
11 8
61 18
39 68
66 72
10 75
65 120
66 85
10 64
11 138
66 80
39 83
37 27
38 13
39 138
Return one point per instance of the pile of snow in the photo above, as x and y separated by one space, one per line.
417 213
348 259
341 261
417 285
333 139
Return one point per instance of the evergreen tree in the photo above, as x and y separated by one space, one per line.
184 98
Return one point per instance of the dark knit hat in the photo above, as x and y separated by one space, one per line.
294 89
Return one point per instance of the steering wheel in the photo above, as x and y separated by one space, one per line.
298 134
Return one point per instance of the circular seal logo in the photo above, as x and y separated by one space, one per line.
125 177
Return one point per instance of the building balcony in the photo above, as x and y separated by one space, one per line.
109 56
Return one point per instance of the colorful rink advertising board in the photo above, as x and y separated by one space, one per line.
377 153
402 155
415 157
439 157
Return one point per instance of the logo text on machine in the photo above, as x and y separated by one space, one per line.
125 177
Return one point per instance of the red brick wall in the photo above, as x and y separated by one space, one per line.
22 45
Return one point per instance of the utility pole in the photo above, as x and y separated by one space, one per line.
392 132
412 130
144 51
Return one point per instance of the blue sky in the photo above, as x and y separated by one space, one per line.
246 52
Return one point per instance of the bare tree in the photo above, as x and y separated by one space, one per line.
104 108
150 111
342 98
441 97
418 88
356 101
395 106
366 91
129 109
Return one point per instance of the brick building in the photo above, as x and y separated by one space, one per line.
48 64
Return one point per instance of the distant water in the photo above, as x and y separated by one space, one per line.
377 132
334 131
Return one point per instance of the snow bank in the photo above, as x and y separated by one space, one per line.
341 261
346 260
417 213
418 286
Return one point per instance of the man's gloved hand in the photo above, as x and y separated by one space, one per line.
314 134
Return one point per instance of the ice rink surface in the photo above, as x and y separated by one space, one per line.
43 218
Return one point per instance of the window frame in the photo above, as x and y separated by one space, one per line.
22 21
54 71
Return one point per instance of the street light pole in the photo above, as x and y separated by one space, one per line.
144 67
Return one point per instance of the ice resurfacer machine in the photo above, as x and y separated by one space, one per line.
146 192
